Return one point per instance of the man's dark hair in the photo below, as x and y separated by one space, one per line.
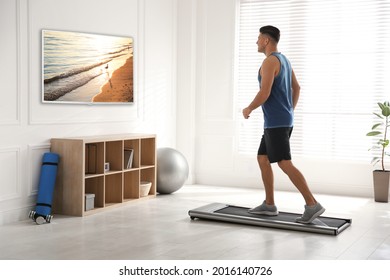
271 31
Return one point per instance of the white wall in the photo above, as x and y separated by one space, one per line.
27 124
217 160
184 83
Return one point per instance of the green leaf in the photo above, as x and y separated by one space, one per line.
386 111
381 105
376 125
379 116
386 103
373 133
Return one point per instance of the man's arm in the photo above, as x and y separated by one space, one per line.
295 90
269 69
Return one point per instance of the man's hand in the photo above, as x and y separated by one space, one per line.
246 112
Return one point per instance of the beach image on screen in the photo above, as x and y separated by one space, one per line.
86 68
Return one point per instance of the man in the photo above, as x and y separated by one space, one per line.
278 96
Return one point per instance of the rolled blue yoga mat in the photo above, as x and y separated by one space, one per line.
46 186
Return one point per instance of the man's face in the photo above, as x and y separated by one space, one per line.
262 42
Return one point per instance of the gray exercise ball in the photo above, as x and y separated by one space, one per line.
172 170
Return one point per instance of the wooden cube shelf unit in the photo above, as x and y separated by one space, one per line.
83 169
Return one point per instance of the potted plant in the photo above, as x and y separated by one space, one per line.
382 176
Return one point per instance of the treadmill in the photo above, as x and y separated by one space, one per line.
236 214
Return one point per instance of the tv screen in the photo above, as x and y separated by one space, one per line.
85 68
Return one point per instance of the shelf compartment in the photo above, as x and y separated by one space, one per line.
113 188
94 158
133 145
114 151
131 184
148 151
149 175
95 185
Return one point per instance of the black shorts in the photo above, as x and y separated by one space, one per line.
275 143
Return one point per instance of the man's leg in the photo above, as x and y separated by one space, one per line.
268 178
298 180
313 209
268 206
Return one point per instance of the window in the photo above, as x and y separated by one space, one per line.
340 52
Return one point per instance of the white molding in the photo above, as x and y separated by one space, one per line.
17 192
203 58
141 58
19 62
193 86
16 214
29 67
17 121
207 16
125 118
174 67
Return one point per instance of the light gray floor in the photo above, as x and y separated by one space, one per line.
160 228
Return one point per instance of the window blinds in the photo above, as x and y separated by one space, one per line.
340 52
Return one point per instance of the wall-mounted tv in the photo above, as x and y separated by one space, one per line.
84 68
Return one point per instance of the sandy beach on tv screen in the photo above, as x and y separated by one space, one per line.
120 87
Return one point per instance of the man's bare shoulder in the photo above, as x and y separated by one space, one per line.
271 63
271 60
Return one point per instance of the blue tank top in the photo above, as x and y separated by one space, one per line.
278 109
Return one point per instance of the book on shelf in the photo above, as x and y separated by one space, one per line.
128 160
